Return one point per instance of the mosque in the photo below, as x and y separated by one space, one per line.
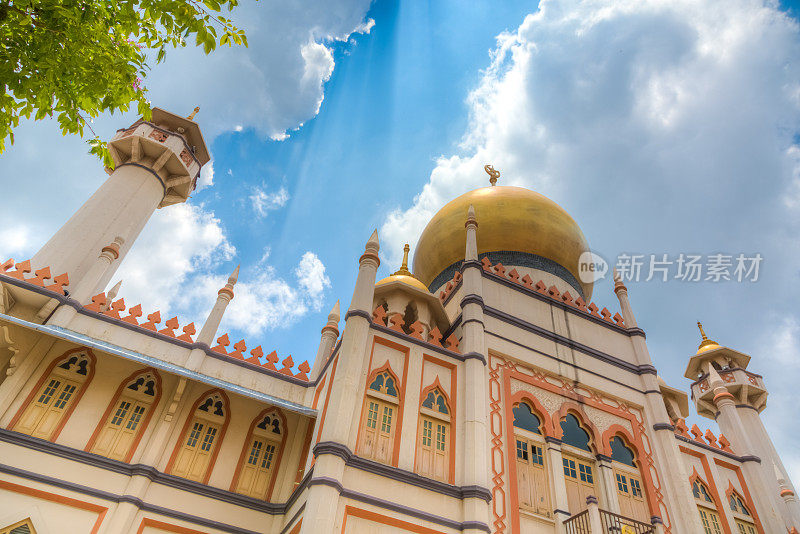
478 389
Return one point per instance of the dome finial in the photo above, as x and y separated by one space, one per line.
702 332
193 113
705 344
493 174
404 266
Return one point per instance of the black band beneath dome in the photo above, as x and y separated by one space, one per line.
510 257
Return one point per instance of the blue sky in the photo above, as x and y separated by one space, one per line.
662 127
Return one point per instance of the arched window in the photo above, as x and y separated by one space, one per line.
578 463
709 516
409 317
199 443
20 527
433 441
127 416
260 457
630 494
741 514
379 417
532 488
46 410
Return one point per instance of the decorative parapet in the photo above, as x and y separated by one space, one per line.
395 322
171 329
697 435
540 287
39 278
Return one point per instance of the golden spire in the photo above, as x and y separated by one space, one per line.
191 116
493 174
404 267
705 344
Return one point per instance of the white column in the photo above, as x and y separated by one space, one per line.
561 511
322 503
609 482
328 336
475 460
196 357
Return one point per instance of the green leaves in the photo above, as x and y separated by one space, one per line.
75 59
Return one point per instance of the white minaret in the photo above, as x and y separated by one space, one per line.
157 163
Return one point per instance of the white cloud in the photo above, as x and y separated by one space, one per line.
206 177
312 279
263 299
657 123
178 242
627 94
264 202
15 242
274 85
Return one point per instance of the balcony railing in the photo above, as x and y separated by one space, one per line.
617 524
609 523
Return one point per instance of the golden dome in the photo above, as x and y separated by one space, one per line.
403 275
402 278
512 219
706 344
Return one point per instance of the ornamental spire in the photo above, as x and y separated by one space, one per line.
705 344
404 267
193 113
493 174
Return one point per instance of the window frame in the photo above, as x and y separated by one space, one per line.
382 399
192 416
437 418
253 432
144 422
54 369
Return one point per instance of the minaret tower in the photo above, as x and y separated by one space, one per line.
156 164
724 390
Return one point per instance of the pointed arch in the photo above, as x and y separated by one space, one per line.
135 381
432 388
260 460
575 409
50 403
207 420
434 454
381 416
385 368
536 407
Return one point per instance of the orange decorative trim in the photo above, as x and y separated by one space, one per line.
327 398
226 291
301 464
746 497
452 403
317 392
787 492
246 446
296 528
65 417
571 407
169 527
113 248
185 429
352 511
723 395
370 256
401 398
113 403
61 499
501 372
710 484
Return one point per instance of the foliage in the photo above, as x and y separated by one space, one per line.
74 59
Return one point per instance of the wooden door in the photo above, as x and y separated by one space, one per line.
120 430
532 487
579 478
710 521
42 416
195 454
257 471
385 434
